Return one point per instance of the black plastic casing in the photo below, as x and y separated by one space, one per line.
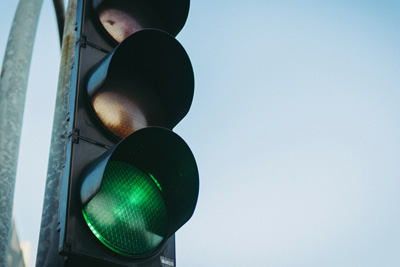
87 141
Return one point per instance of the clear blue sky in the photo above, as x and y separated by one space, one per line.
295 126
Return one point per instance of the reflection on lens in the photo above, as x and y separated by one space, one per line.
118 113
118 23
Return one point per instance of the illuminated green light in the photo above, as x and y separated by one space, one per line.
157 183
128 214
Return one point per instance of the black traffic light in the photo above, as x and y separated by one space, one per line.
129 182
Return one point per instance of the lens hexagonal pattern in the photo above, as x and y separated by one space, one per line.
128 214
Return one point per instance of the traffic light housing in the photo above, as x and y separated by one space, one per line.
129 182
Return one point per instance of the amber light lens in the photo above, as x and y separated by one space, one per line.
120 115
147 80
123 111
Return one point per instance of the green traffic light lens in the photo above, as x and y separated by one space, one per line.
128 214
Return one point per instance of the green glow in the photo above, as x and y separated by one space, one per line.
157 183
128 214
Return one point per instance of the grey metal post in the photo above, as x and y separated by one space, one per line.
47 254
13 82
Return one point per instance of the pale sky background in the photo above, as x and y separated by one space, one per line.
295 125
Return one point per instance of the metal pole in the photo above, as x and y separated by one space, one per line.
47 254
13 82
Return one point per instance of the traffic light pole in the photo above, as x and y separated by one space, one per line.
13 82
47 254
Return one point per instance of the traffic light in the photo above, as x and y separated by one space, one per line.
129 182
